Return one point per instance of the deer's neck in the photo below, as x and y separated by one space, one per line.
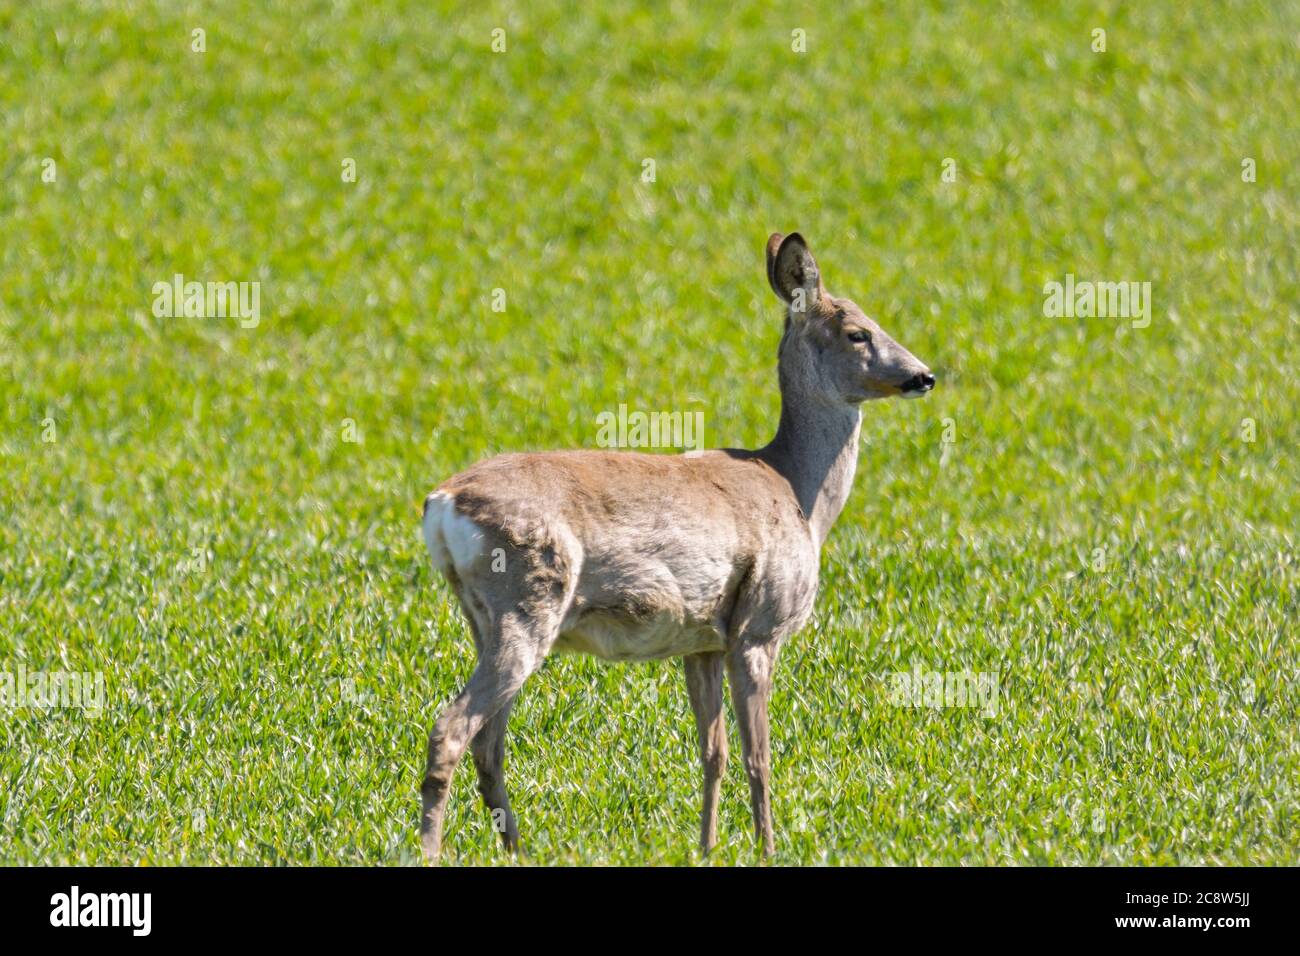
816 450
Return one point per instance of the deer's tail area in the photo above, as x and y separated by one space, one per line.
453 540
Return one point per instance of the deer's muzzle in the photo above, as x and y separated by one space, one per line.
917 385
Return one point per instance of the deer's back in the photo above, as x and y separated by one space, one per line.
652 555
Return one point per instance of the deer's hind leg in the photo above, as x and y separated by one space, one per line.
515 580
516 616
511 649
489 750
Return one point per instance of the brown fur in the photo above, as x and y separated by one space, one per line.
711 557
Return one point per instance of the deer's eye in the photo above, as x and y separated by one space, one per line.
860 335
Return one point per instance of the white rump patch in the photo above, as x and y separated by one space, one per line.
453 540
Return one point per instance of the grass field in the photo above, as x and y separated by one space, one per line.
1102 516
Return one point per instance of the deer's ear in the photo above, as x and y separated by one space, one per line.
792 271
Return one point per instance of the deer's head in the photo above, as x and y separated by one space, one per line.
830 348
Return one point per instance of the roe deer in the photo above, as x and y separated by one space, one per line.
711 557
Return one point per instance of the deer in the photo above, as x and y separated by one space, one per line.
708 556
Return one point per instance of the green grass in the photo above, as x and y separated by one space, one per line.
270 703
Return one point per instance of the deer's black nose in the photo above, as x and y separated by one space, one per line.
918 383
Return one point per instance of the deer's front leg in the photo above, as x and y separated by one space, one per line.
704 682
749 669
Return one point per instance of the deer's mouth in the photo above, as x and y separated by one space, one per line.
917 385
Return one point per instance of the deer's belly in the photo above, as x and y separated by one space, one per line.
640 606
618 636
